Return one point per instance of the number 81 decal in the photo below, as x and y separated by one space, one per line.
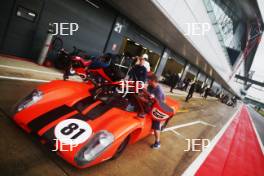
72 131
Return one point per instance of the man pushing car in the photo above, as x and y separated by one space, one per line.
155 89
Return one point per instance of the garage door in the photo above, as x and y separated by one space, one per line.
21 28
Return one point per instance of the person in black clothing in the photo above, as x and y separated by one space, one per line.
207 91
139 71
191 91
174 78
203 89
186 84
234 100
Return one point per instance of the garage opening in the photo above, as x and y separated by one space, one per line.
171 67
131 48
201 78
189 76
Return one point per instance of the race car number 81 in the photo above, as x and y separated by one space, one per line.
73 131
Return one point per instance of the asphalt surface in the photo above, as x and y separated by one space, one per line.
21 154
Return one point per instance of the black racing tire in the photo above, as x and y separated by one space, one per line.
121 148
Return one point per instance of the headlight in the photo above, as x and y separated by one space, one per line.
98 143
31 99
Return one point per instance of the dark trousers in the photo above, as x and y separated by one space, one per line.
172 87
189 96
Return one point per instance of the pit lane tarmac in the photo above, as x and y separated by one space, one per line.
21 154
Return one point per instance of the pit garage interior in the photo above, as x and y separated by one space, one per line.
132 28
103 30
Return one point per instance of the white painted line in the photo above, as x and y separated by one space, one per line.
181 126
256 132
196 164
184 94
178 134
205 123
188 124
23 79
32 70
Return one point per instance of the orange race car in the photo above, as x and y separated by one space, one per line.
87 124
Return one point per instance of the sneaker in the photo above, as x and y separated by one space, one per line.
156 145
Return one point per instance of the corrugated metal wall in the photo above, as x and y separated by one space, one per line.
25 38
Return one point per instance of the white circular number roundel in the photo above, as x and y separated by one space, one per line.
73 131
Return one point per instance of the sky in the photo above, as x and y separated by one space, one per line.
258 64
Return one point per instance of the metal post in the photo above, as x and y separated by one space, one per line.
197 75
184 73
212 83
46 45
162 62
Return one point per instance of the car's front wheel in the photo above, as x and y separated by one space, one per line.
121 148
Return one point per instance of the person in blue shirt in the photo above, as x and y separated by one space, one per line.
100 62
155 89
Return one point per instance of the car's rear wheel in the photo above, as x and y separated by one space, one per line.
121 148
